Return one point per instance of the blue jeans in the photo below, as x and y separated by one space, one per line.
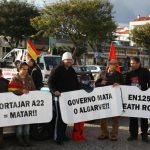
23 130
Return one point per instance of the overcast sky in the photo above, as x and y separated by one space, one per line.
125 10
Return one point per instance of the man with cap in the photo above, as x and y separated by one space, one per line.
63 78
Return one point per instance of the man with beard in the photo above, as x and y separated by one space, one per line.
63 78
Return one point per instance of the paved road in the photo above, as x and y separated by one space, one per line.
91 132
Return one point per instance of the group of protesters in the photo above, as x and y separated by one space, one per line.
63 78
137 76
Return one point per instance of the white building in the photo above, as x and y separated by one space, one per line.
123 38
139 21
122 35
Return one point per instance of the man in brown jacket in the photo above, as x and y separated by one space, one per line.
111 77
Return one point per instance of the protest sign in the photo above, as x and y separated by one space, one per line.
102 102
34 107
136 103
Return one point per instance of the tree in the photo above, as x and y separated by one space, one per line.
84 21
15 18
141 36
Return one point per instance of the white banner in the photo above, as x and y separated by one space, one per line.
34 107
76 106
136 102
9 73
102 102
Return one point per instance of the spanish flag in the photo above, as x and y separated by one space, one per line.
14 86
32 52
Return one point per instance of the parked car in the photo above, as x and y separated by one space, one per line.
81 69
85 78
46 62
96 68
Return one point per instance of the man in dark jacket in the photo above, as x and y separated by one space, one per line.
110 77
36 74
3 88
139 77
62 79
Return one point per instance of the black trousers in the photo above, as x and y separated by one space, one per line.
60 126
133 126
1 135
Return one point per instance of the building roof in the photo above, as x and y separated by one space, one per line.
146 18
122 30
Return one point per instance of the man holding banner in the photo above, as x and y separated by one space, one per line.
139 77
63 78
110 77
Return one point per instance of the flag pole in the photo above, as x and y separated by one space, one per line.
111 55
